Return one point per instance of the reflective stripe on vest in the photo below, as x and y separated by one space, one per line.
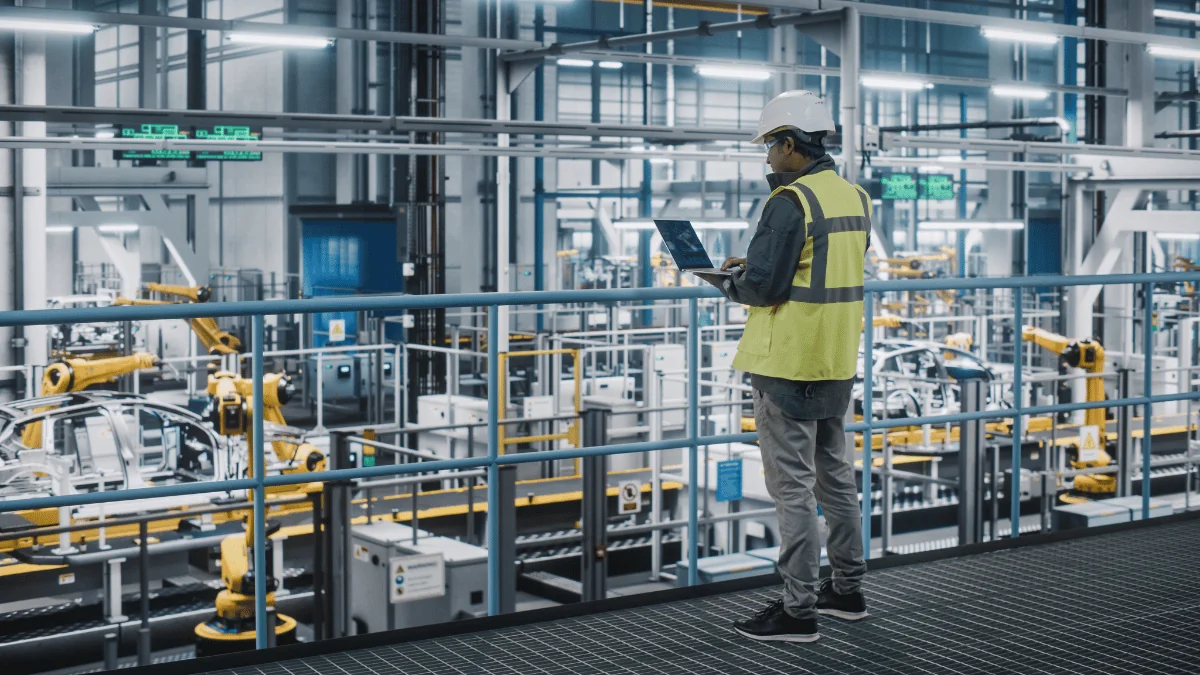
819 230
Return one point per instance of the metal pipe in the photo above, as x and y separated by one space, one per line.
693 354
493 468
1147 389
868 421
144 592
1018 399
261 639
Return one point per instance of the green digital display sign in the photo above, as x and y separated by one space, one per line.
161 132
936 187
899 186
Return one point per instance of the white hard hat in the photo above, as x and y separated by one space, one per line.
796 109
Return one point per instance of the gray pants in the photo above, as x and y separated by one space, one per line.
805 462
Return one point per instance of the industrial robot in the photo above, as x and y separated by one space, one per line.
215 340
1088 355
72 375
232 627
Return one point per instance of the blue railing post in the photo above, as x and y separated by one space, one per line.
868 403
1018 404
1148 385
260 506
693 354
493 469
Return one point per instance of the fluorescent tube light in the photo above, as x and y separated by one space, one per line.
1178 236
720 224
734 73
47 26
661 160
1177 15
1170 52
611 65
948 225
1018 91
930 168
1013 35
894 83
280 40
634 224
575 63
60 229
118 229
106 133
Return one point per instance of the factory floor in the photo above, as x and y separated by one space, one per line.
1116 601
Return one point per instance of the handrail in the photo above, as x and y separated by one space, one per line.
494 460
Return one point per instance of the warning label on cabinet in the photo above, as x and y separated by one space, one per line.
416 577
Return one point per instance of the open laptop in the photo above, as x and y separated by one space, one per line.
685 247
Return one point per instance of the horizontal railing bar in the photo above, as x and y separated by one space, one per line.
38 317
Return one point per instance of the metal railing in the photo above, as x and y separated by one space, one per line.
494 460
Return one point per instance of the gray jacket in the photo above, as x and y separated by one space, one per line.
766 281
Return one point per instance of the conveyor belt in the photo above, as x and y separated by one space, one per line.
1125 599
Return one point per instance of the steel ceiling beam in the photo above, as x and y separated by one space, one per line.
462 149
184 23
979 20
949 80
362 123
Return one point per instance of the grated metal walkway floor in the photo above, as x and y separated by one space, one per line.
1121 602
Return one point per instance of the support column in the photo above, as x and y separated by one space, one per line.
851 56
970 467
30 181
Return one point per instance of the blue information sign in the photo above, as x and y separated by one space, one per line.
729 480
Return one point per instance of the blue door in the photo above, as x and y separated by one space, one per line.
347 257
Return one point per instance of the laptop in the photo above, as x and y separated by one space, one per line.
685 247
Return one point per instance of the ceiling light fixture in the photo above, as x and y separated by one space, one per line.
611 65
1013 35
1177 15
280 40
1178 236
575 63
47 26
894 83
734 73
955 225
118 229
60 229
1019 91
1169 52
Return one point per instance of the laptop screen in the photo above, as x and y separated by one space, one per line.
684 245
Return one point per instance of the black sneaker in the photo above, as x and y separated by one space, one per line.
775 625
850 607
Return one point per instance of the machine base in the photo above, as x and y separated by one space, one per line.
211 640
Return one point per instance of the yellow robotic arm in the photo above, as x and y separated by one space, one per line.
233 400
193 293
73 375
1085 354
215 340
1088 355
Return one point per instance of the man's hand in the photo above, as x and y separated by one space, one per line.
733 262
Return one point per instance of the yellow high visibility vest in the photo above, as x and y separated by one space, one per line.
815 334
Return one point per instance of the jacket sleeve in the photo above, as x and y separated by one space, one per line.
772 256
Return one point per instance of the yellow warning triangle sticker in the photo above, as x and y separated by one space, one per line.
1089 442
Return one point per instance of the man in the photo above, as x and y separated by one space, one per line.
803 280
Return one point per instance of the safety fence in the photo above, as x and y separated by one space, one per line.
257 311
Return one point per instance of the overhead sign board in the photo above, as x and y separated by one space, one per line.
164 132
935 187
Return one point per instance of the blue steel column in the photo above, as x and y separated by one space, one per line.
961 237
868 386
493 469
1147 386
539 170
693 349
1018 347
260 507
1070 68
